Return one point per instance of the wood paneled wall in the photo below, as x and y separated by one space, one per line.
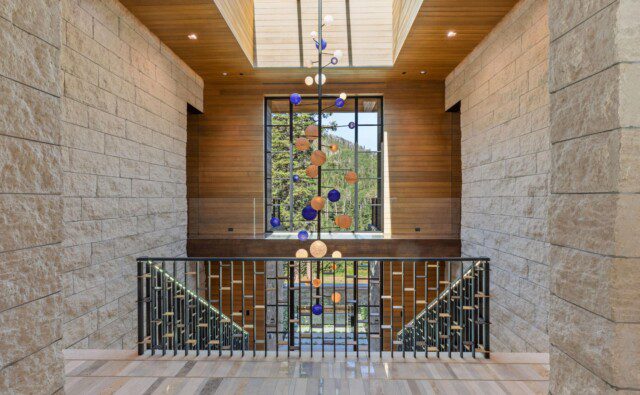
422 155
239 16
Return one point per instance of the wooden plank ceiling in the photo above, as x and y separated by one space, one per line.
217 50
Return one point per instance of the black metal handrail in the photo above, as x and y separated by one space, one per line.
263 304
465 303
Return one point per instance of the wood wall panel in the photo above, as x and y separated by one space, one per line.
239 16
420 145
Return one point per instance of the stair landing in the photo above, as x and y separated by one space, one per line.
109 371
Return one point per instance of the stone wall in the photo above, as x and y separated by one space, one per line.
502 86
30 203
124 117
594 211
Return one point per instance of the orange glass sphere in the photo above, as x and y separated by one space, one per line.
333 147
336 297
311 132
343 221
316 282
317 203
312 171
302 144
351 177
318 158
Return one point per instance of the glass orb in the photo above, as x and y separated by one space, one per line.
302 253
303 235
318 249
328 20
343 221
333 195
316 309
333 147
324 44
316 283
317 203
336 254
351 177
308 81
339 103
311 132
295 98
336 297
338 54
314 34
296 178
309 213
334 61
311 171
275 222
324 79
343 96
318 158
352 125
302 144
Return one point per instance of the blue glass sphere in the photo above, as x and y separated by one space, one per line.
334 60
352 125
309 213
303 235
296 178
275 222
339 103
324 44
316 309
333 195
295 98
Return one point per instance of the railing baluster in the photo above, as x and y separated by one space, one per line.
321 302
174 327
415 313
253 308
356 294
381 307
141 340
368 308
461 289
334 267
392 308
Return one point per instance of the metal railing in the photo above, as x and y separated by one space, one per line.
457 321
325 306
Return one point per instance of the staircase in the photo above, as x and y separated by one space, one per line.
179 319
456 321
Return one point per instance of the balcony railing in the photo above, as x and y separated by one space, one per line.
327 306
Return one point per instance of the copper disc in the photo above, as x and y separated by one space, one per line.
318 158
351 177
343 221
311 132
317 203
312 171
302 144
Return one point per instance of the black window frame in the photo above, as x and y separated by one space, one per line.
268 200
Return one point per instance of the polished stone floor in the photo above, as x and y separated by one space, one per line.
124 372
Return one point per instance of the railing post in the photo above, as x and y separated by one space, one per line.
487 302
140 307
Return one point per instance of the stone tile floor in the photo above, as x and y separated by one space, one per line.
124 372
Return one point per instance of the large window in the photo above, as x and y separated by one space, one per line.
359 149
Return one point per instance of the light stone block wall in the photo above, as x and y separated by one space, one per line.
502 86
30 202
594 211
123 137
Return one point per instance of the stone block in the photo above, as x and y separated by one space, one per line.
78 184
74 112
89 94
74 63
29 166
29 327
29 274
81 232
33 62
569 377
32 115
116 85
93 163
99 208
46 364
113 187
75 257
144 188
83 302
106 123
29 221
584 51
134 169
132 207
78 17
521 166
79 328
71 209
120 227
569 14
82 138
606 348
122 148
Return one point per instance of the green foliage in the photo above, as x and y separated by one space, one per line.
333 171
